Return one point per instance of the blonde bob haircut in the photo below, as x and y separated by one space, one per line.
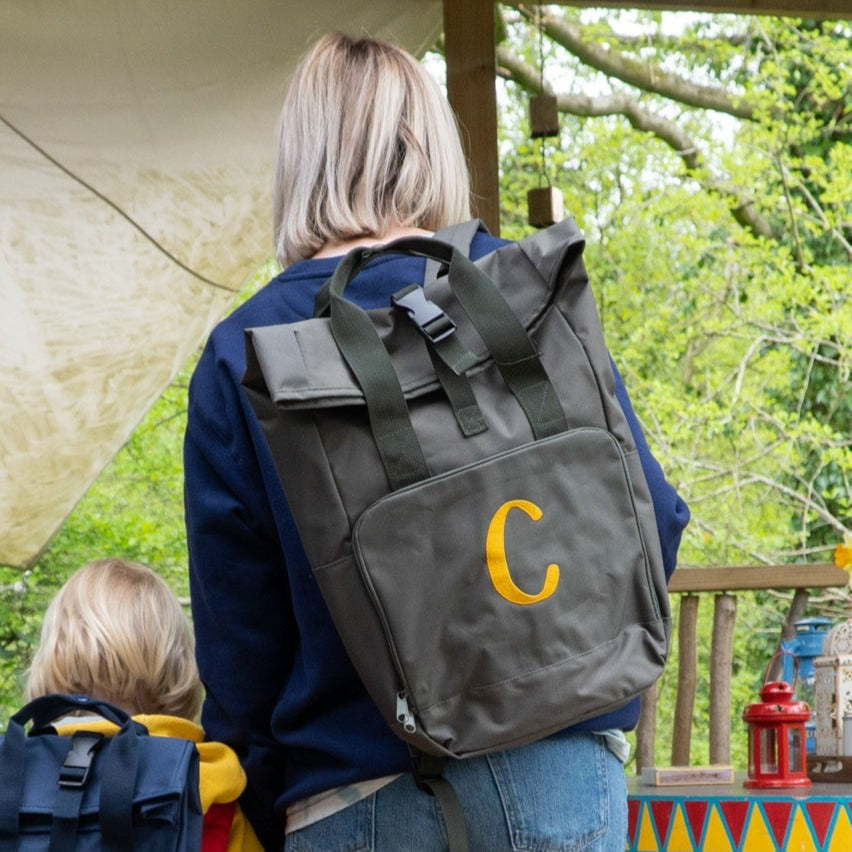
366 142
116 631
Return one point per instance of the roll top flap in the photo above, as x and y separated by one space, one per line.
298 364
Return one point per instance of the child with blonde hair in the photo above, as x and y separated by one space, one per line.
115 631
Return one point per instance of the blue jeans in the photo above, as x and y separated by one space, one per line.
555 795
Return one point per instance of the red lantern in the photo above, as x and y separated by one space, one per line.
776 738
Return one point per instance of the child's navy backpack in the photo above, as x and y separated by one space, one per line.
91 792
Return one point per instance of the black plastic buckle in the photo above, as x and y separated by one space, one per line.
425 768
78 761
429 318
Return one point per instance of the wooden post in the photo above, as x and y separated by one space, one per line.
471 75
788 631
722 657
687 678
646 730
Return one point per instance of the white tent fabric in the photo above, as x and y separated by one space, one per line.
135 136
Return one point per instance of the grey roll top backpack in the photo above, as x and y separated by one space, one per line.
469 493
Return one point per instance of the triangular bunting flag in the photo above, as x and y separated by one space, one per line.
801 838
757 836
735 816
679 839
778 816
821 814
716 836
632 818
696 811
841 834
662 811
647 840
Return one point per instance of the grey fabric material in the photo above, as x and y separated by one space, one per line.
407 574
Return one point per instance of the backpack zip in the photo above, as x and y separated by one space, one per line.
403 712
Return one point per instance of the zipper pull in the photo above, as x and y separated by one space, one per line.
403 712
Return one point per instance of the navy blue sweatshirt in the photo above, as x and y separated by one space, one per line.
280 688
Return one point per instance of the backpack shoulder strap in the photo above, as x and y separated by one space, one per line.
460 237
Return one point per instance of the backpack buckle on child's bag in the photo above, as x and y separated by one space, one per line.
78 761
429 318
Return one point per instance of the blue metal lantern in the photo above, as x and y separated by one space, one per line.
801 651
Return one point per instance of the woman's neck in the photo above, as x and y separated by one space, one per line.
336 248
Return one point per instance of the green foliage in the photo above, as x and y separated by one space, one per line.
721 269
731 330
722 279
133 510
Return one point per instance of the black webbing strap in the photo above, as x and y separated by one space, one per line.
450 357
73 777
11 785
427 775
505 337
510 346
364 352
117 784
66 815
460 395
459 236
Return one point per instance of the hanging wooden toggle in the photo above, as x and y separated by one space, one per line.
545 206
544 203
544 116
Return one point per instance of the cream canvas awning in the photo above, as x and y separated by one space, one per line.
118 119
136 148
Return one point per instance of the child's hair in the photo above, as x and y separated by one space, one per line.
115 631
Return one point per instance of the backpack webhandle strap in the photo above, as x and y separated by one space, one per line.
504 335
45 709
428 776
362 348
116 801
502 332
460 235
11 784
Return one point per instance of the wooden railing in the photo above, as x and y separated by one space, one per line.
723 582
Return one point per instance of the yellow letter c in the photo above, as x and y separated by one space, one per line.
495 556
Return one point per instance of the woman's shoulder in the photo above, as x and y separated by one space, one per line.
286 298
485 243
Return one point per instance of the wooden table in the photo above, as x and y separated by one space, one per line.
730 818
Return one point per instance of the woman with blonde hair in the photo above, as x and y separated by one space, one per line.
368 151
116 632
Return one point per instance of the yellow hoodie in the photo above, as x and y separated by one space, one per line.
221 778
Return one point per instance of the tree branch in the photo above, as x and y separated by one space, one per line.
816 208
514 68
643 75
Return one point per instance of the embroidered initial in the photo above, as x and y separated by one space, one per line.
495 556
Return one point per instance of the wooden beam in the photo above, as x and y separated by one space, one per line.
827 9
471 76
718 578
